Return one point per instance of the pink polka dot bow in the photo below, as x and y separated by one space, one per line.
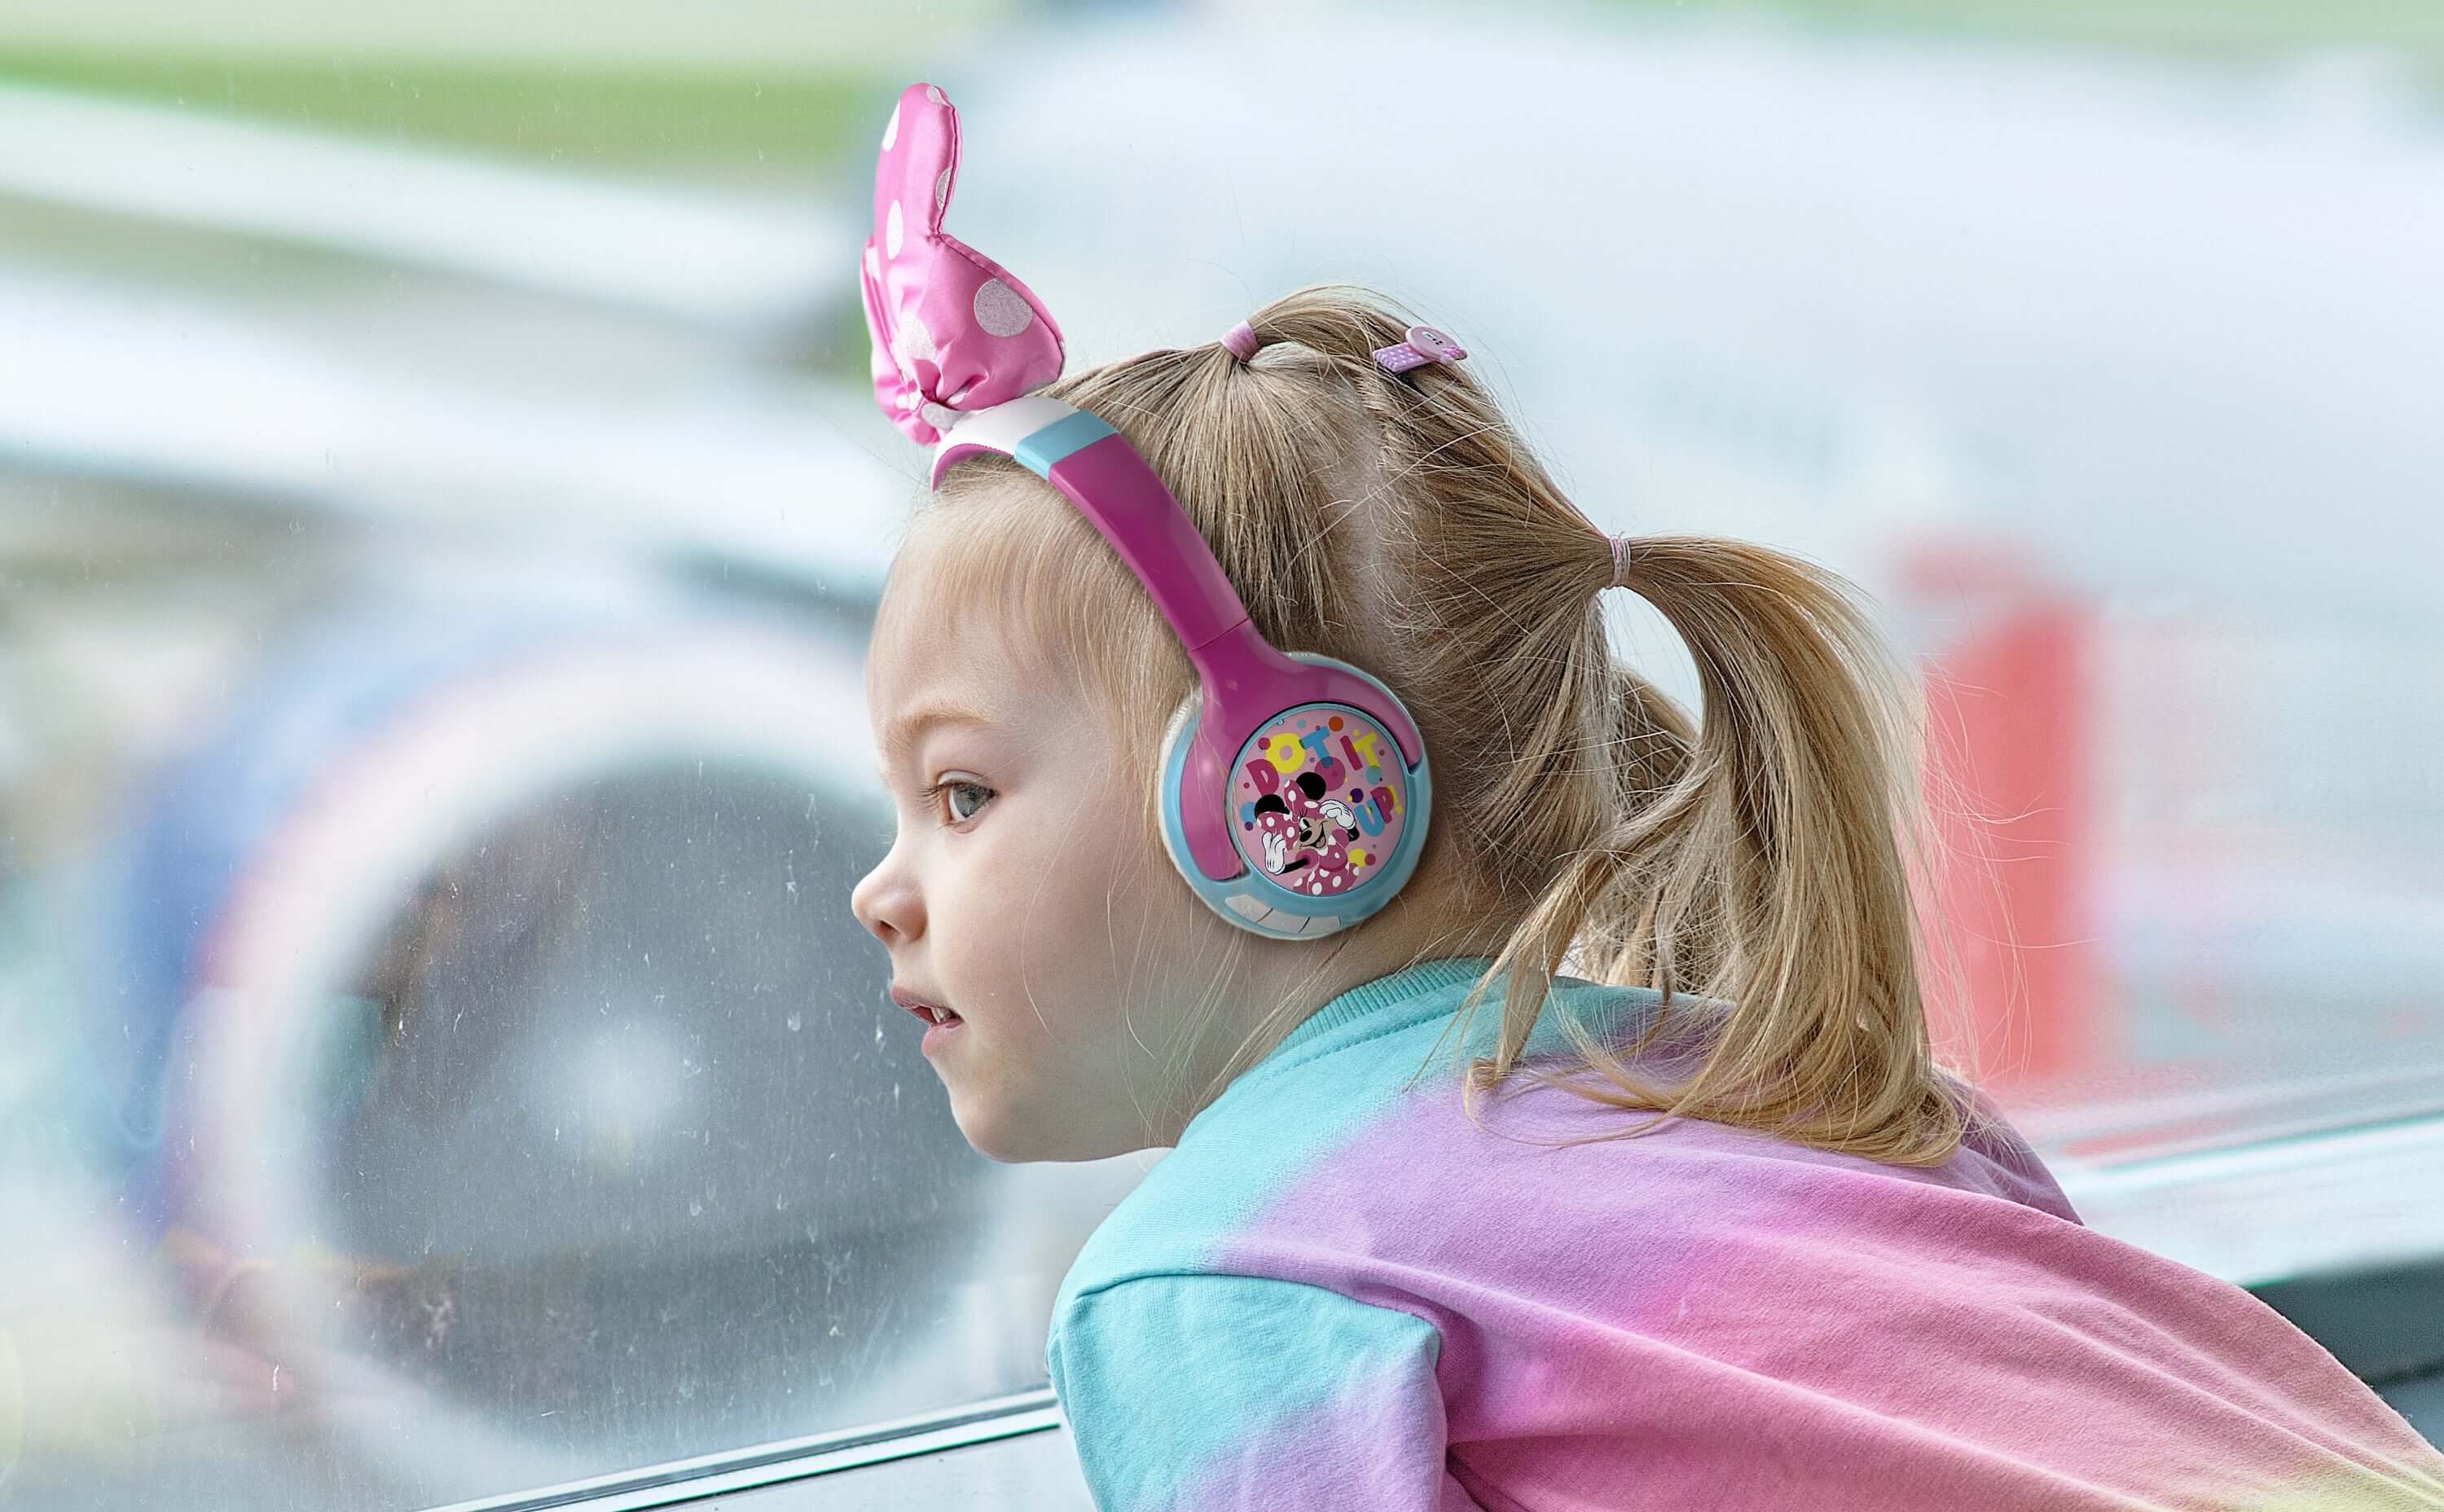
952 330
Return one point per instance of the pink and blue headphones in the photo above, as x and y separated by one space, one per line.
1295 790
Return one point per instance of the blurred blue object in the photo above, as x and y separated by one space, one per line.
169 878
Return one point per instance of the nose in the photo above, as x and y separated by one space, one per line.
885 904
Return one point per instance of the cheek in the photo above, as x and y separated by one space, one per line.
1075 925
1054 912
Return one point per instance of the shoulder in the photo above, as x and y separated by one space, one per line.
1216 1390
1996 1159
1269 1327
1308 1168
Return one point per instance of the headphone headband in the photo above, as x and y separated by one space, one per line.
1243 678
1102 474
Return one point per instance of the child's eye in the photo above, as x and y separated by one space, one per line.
952 786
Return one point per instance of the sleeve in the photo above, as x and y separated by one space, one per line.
1201 1392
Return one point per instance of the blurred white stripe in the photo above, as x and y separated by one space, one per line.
98 379
2360 1199
690 253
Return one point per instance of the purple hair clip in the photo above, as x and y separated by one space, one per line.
1424 345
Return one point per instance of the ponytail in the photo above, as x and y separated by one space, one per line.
1765 872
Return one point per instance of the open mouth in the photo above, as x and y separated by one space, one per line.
936 1017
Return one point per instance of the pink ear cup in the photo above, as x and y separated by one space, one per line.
1323 793
1247 684
1322 841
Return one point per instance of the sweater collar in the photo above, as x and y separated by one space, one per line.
1414 984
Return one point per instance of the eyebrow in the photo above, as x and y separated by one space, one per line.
899 740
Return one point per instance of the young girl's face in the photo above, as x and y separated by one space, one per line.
1018 892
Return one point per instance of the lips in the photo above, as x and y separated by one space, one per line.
923 1006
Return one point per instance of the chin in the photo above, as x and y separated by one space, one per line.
997 1136
992 1136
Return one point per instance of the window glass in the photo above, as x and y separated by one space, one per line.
442 504
452 1055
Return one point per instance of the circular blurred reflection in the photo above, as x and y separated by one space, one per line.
634 1127
527 1098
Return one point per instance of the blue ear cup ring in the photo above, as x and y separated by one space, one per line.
1318 827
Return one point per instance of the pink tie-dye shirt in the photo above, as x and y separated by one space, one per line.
1338 1292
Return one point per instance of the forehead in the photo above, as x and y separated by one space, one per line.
943 643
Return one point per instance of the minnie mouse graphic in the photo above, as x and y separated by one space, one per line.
1305 829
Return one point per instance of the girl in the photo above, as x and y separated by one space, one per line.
1158 883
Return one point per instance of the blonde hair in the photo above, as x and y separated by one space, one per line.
1754 862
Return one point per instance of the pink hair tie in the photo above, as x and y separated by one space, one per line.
1240 342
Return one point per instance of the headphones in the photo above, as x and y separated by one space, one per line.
1295 794
1294 790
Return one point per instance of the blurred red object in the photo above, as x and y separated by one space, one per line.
2011 792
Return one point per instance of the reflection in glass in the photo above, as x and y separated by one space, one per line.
523 1102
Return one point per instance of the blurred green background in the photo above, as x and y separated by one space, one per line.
767 90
